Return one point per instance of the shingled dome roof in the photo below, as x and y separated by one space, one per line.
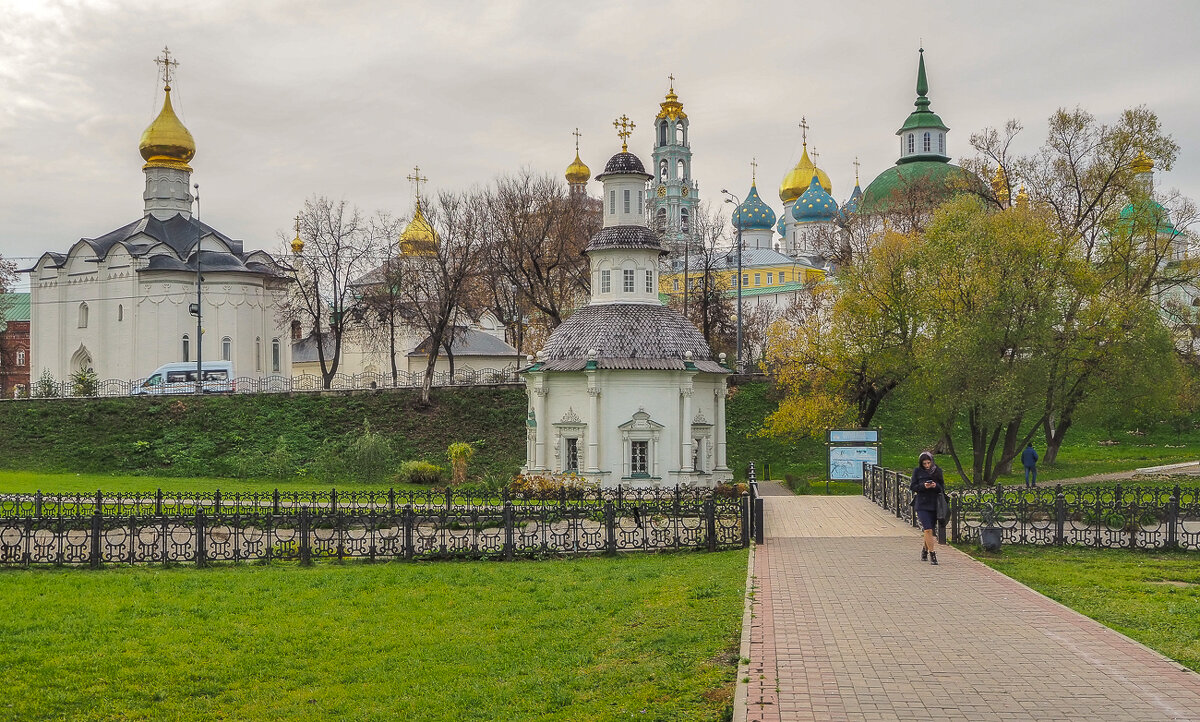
624 163
627 336
625 237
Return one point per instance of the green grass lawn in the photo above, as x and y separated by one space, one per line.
31 481
646 637
1153 597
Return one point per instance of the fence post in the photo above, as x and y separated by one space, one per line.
391 500
408 531
158 502
508 531
217 502
1135 523
610 528
96 524
333 500
305 551
746 516
37 504
760 533
1060 516
954 533
449 500
896 478
710 513
341 536
99 501
200 536
1173 519
275 500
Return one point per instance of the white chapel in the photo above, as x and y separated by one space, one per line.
118 303
625 391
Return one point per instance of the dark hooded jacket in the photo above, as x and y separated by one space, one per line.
1029 456
926 499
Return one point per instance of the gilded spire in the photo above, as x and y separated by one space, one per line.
166 143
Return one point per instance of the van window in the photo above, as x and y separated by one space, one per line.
155 380
216 375
179 377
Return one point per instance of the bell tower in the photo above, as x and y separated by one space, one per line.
673 191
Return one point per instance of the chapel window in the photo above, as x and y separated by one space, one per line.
187 348
627 281
612 202
275 356
927 142
640 195
942 143
258 354
649 281
572 462
912 147
697 455
626 199
639 456
745 279
120 312
605 281
83 315
226 349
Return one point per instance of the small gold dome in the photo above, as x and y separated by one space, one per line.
419 238
578 173
1000 185
166 143
1142 163
798 178
297 245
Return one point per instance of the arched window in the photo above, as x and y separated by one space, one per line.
83 315
226 349
680 133
276 363
258 354
683 220
927 142
912 147
681 170
662 170
662 133
187 348
120 312
942 143
21 357
660 220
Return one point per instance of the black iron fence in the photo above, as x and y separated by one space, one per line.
171 528
1129 517
274 383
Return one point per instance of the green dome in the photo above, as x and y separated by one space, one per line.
1147 212
945 180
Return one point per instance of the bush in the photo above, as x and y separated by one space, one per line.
369 457
419 472
731 491
46 387
549 486
460 455
280 463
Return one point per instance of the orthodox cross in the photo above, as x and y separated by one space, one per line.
297 225
804 129
167 65
417 180
672 78
624 128
753 171
815 155
577 134
856 164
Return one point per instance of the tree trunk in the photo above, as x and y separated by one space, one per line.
1011 436
1054 439
392 346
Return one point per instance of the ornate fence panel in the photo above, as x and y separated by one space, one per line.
206 527
1129 517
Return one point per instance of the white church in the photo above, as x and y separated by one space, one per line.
625 391
118 303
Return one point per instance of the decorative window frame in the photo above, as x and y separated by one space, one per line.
641 428
570 426
702 431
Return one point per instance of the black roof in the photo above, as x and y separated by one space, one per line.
624 162
627 336
625 237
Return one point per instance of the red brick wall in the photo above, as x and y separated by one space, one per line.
13 339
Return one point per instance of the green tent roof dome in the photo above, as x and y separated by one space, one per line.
944 179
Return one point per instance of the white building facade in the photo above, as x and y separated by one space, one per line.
118 304
625 391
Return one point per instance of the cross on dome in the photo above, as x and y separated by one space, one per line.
624 128
167 66
416 179
577 135
804 130
671 77
753 171
856 165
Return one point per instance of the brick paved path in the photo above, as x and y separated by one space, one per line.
840 632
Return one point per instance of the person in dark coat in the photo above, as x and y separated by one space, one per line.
1029 459
927 485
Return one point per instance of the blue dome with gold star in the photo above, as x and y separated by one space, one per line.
850 207
781 227
815 205
753 214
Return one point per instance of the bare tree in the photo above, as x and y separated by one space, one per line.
436 277
381 304
710 260
338 248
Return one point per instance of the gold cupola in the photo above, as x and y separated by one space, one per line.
297 242
1000 186
798 178
1142 163
418 237
166 143
671 108
578 173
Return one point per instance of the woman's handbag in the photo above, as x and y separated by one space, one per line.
943 507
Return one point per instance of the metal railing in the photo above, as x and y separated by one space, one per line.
167 528
276 384
1128 517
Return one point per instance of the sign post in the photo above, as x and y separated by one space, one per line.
850 450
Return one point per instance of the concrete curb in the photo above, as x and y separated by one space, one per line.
1167 467
742 692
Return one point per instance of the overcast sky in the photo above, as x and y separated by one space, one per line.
293 98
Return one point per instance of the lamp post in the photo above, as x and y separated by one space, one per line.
737 202
196 307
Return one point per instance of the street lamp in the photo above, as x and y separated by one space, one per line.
736 203
195 308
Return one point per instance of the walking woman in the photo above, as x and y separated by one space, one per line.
927 485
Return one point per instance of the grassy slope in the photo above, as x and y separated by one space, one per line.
1153 597
647 637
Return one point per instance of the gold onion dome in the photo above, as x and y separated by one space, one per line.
1000 185
1142 163
419 238
578 172
797 180
297 242
166 143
